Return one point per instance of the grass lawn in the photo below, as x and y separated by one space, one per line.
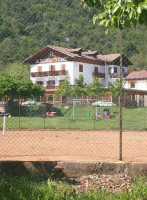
23 188
133 119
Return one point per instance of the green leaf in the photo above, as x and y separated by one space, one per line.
115 9
139 9
131 14
103 22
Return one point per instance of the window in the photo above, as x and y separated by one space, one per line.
52 68
50 54
51 83
39 69
39 82
115 69
110 70
95 70
132 84
50 98
80 68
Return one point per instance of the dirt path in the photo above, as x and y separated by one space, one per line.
51 145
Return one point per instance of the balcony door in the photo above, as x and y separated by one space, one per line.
52 68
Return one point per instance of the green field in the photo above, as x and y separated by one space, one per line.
133 119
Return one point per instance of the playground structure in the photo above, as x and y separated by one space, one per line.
83 102
93 102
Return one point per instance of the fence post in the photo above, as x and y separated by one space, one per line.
69 116
144 117
120 100
19 113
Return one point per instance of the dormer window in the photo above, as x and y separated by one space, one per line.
50 54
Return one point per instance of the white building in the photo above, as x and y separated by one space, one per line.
52 64
136 85
137 80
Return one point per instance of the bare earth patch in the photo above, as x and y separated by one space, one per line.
72 145
114 184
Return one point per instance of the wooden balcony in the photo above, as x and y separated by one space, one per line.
51 87
99 75
49 73
114 75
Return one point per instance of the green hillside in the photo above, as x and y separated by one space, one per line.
28 25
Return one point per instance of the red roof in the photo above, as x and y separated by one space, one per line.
115 59
137 75
91 56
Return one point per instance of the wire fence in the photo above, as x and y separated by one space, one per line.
44 131
95 102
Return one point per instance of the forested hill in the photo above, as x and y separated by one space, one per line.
28 25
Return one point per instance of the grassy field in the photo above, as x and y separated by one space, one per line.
133 119
23 188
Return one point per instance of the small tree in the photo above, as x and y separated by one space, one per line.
95 88
79 88
64 89
115 88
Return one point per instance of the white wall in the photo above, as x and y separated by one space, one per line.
140 85
111 80
73 72
88 70
45 67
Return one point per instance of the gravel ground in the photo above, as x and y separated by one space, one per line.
114 184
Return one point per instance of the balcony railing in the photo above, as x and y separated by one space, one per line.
99 75
52 87
49 73
114 75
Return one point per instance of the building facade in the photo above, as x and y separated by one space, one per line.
136 85
52 65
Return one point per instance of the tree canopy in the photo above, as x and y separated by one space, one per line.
115 88
119 13
11 87
80 89
28 25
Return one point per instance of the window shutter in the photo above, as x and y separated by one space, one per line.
49 67
39 69
63 67
80 68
